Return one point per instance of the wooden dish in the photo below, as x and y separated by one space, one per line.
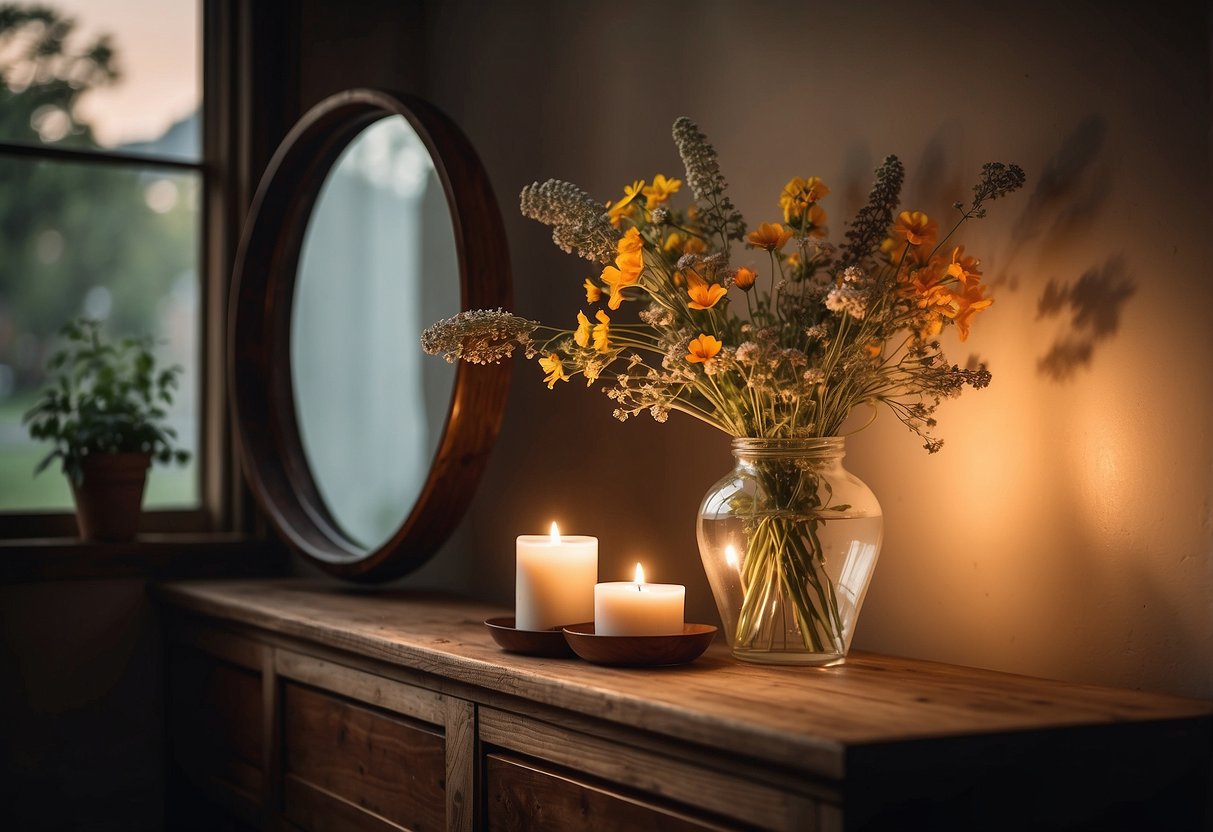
639 651
550 643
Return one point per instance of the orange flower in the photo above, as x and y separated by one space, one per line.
703 349
630 243
554 367
661 190
916 227
744 279
963 268
873 349
705 296
970 302
593 293
693 278
694 245
672 242
630 263
770 235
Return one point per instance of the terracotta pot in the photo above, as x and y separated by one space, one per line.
109 499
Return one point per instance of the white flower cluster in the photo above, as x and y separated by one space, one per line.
848 298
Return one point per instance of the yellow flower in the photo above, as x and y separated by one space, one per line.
617 281
770 235
593 293
963 268
617 211
630 263
582 335
798 195
703 349
673 242
916 227
661 190
744 279
704 296
602 332
554 367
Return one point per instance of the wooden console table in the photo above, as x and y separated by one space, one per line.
317 707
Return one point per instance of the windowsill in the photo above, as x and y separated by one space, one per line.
150 556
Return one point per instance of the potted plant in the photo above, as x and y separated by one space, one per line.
105 410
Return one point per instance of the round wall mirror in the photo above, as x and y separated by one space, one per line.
373 220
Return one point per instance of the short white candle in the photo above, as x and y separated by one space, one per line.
555 580
638 609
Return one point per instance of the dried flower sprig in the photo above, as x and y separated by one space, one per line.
872 222
477 336
578 222
707 183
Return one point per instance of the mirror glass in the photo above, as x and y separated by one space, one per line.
378 262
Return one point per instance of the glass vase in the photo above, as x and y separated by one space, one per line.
789 540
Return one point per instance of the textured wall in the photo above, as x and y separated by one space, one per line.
1065 529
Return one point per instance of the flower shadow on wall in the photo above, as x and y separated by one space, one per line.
1094 303
1065 203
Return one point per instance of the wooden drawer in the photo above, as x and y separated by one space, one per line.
523 796
216 725
621 781
349 767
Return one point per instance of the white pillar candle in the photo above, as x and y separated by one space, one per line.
638 609
555 580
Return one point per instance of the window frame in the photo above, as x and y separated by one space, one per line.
224 30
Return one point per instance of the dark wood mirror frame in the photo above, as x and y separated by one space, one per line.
259 329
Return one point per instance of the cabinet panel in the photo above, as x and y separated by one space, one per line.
216 732
355 757
522 797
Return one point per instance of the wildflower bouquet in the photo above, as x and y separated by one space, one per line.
783 345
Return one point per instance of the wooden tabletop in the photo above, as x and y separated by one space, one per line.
804 718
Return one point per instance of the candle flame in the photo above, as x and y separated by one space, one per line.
555 534
730 557
639 575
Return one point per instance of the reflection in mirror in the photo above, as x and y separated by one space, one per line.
379 260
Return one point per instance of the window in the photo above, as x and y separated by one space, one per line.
102 203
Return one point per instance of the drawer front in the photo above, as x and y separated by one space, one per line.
523 796
216 723
351 767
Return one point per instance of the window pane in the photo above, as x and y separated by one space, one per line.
116 244
114 74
